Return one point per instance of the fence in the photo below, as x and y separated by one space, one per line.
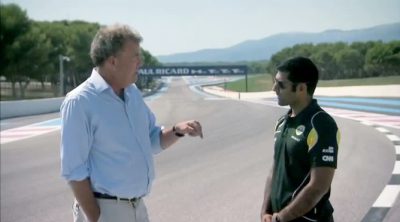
34 90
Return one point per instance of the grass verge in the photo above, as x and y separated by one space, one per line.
264 82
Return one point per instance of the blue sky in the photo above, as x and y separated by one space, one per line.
172 26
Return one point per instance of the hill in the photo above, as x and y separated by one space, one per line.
263 49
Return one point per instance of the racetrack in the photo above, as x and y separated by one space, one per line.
220 178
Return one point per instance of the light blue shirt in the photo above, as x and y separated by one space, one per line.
107 139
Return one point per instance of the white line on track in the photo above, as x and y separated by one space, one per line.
397 147
393 138
382 130
388 196
396 168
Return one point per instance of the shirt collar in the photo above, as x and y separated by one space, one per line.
98 81
100 85
313 104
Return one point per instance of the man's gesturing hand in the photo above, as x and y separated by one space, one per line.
191 127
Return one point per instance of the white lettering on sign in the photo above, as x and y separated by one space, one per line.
171 71
198 70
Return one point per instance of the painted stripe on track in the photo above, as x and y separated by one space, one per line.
397 147
369 119
393 138
375 214
25 132
380 101
396 169
360 107
382 130
388 196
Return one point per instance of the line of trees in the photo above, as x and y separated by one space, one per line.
30 50
338 60
344 61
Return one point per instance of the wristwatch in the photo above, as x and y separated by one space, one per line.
176 133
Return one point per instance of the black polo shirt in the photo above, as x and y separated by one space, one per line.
308 140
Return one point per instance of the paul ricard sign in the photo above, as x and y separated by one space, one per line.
193 70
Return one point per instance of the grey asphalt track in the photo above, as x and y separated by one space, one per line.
220 178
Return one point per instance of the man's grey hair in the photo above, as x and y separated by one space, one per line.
109 40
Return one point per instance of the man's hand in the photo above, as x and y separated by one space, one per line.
192 127
266 218
93 218
171 135
87 202
277 218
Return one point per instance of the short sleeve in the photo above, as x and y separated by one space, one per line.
323 141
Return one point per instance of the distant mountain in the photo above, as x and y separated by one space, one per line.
263 49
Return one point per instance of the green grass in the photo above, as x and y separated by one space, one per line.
361 82
256 83
263 82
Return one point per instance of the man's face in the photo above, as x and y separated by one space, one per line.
284 89
128 62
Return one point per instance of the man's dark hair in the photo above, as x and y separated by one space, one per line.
301 70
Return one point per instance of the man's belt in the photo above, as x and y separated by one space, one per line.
106 196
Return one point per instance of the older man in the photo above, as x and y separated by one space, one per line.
109 135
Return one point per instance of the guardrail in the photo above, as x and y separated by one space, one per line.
17 108
9 109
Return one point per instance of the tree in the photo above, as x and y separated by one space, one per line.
58 36
147 81
326 63
341 61
29 55
30 50
350 62
13 23
383 59
24 48
81 35
257 67
363 47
